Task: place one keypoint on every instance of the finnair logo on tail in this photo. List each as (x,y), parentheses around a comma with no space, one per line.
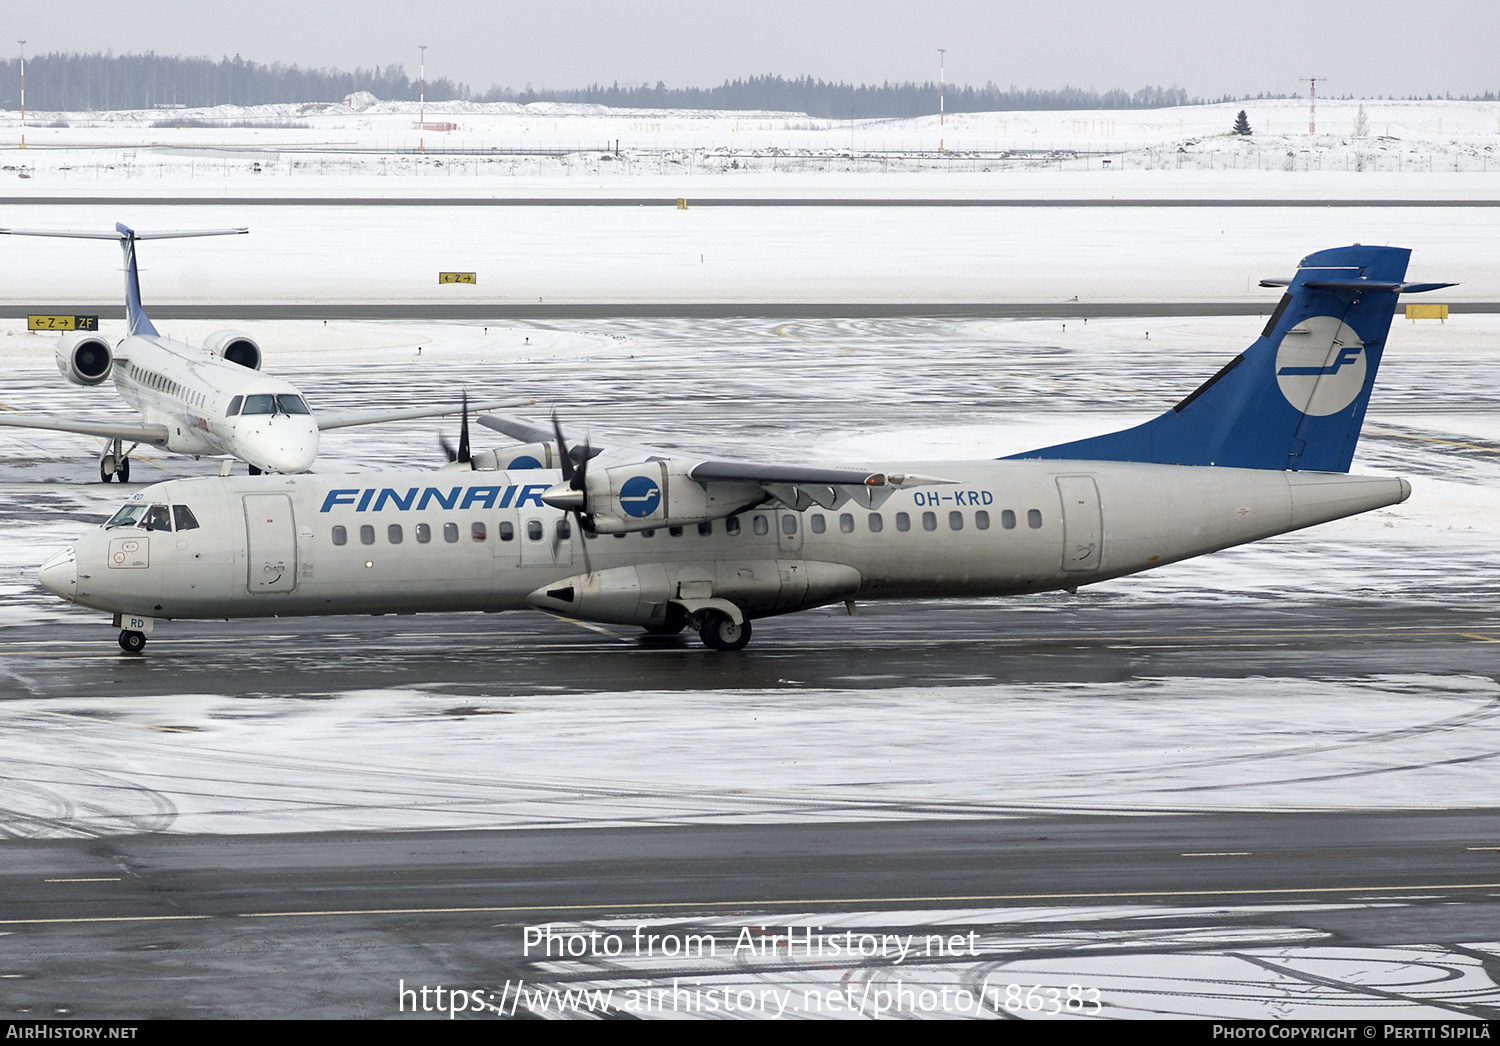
(1321,366)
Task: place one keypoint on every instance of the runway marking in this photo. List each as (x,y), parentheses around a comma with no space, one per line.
(765,903)
(1434,439)
(1482,848)
(1479,637)
(102,879)
(1223,853)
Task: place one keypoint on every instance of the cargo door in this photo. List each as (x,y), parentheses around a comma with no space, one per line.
(1083,523)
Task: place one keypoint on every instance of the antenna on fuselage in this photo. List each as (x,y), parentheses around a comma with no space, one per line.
(136,320)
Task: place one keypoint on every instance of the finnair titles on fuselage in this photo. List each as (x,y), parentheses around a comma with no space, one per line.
(1262,448)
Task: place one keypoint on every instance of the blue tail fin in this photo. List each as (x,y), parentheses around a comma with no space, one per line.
(1296,398)
(136,320)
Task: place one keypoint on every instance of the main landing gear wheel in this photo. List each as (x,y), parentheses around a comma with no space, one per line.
(109,469)
(132,642)
(719,632)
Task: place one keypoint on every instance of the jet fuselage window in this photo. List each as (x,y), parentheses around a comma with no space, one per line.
(1008,519)
(507,531)
(903,522)
(184,518)
(982,520)
(1034,519)
(877,524)
(367,535)
(450,532)
(424,533)
(761,526)
(393,534)
(929,521)
(478,533)
(955,520)
(340,535)
(846,522)
(818,523)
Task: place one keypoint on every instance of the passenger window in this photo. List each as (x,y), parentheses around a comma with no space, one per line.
(1034,519)
(340,536)
(955,521)
(424,533)
(183,517)
(982,520)
(903,522)
(929,521)
(1008,519)
(367,535)
(705,529)
(649,533)
(393,534)
(877,524)
(846,522)
(761,526)
(732,525)
(621,536)
(507,531)
(450,532)
(789,524)
(478,533)
(565,529)
(676,532)
(534,529)
(819,524)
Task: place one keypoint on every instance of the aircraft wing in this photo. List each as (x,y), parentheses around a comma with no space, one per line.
(153,434)
(349,419)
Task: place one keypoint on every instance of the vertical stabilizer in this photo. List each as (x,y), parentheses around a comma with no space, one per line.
(1296,398)
(136,320)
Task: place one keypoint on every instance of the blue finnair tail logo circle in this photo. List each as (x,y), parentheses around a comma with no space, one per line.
(1320,366)
(640,496)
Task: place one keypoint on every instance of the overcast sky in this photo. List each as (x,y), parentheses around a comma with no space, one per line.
(1369,48)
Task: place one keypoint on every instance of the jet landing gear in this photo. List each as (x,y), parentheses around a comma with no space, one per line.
(132,642)
(115,462)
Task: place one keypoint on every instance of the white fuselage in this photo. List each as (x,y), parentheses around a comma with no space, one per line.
(190,392)
(445,541)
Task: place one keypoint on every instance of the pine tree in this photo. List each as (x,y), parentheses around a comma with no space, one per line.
(1242,124)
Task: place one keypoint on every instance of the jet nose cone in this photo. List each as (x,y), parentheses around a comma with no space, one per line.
(59,575)
(284,448)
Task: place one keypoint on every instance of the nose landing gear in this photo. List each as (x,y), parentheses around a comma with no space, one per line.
(132,642)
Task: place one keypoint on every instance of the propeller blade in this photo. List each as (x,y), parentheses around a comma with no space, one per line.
(447,447)
(463,434)
(564,458)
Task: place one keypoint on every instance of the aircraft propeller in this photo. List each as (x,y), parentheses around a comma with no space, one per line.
(460,455)
(576,476)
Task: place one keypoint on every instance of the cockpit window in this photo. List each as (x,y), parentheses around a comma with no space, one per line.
(234,406)
(127,516)
(184,518)
(267,403)
(147,517)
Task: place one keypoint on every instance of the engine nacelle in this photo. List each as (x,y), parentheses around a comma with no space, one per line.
(660,494)
(85,359)
(234,346)
(526,456)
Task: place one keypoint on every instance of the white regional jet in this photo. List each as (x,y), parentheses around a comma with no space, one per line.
(207,401)
(1262,448)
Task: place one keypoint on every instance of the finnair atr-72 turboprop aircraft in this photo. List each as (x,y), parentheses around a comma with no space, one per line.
(1261,448)
(208,401)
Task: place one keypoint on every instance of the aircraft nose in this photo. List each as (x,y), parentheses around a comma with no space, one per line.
(59,575)
(284,448)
